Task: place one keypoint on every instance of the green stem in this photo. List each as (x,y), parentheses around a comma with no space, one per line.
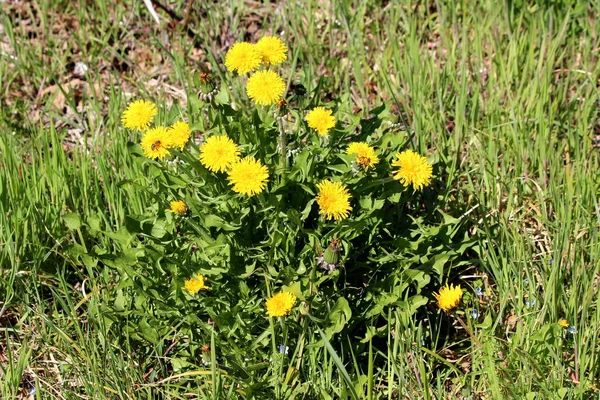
(273,339)
(283,148)
(467,329)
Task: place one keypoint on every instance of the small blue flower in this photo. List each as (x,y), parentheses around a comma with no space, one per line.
(474,313)
(32,391)
(478,291)
(530,303)
(283,349)
(572,330)
(550,261)
(526,280)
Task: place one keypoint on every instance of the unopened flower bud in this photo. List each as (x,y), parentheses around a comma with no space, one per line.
(332,253)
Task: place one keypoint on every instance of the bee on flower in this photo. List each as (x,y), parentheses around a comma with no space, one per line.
(155,143)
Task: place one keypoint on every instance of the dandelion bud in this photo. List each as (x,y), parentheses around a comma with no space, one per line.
(332,253)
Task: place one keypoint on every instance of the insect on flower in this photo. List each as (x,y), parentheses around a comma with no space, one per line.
(155,145)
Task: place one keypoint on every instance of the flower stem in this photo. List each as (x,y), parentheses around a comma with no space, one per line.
(282,147)
(467,329)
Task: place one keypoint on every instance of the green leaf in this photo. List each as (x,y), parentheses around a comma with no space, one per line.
(295,288)
(341,168)
(215,221)
(339,315)
(120,301)
(486,324)
(222,97)
(122,236)
(159,228)
(72,221)
(438,262)
(148,332)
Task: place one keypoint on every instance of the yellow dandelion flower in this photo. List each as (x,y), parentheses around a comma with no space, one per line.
(248,176)
(178,207)
(448,297)
(195,284)
(563,323)
(139,115)
(414,169)
(243,57)
(334,200)
(272,50)
(155,143)
(218,153)
(265,88)
(365,154)
(280,304)
(321,119)
(179,134)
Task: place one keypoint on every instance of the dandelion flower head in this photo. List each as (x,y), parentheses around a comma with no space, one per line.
(321,119)
(155,143)
(334,200)
(280,304)
(265,87)
(563,323)
(448,297)
(195,284)
(365,154)
(178,207)
(179,134)
(272,50)
(243,57)
(248,176)
(139,115)
(218,153)
(413,169)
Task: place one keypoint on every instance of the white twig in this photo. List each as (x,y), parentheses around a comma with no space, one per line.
(152,11)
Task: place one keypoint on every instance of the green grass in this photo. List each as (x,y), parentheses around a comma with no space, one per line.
(504,95)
